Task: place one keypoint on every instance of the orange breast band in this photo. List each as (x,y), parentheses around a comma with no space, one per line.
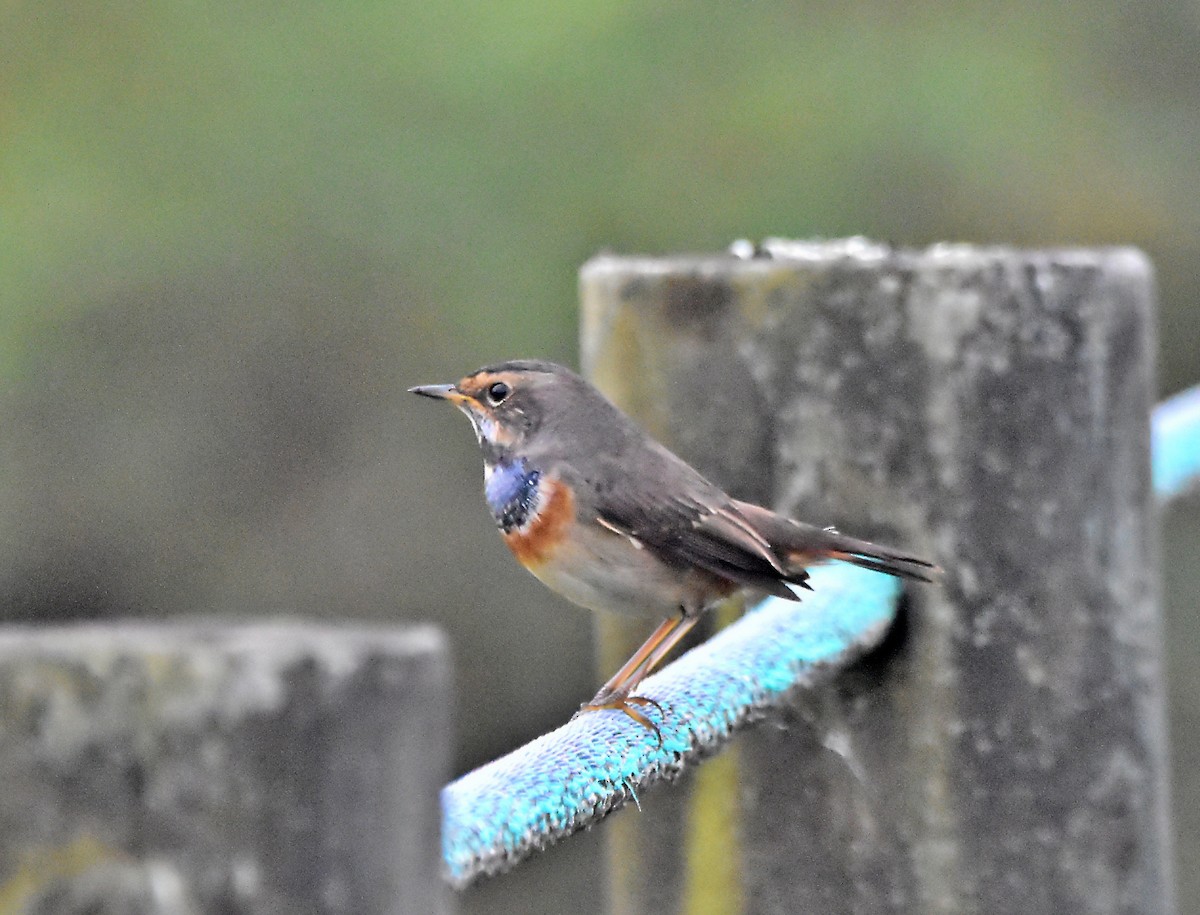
(534,543)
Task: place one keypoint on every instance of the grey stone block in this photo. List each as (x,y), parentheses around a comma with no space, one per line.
(988,408)
(257,769)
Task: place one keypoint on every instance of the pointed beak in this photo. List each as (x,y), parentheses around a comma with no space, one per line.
(443,392)
(439,392)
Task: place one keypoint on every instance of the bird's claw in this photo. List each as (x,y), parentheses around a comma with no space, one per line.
(625,704)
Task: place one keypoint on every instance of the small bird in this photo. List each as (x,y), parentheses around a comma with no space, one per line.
(610,519)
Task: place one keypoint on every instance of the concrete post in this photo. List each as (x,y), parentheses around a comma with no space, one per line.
(249,769)
(988,408)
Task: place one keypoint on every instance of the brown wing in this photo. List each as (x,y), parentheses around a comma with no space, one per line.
(687,521)
(704,540)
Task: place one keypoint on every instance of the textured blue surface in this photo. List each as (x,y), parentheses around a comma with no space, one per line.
(571,777)
(1176,444)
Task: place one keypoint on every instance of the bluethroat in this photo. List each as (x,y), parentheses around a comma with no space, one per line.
(610,519)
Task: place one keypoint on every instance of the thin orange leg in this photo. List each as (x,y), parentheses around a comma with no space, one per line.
(626,675)
(665,648)
(615,693)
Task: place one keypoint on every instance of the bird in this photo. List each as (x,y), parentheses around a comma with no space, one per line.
(614,521)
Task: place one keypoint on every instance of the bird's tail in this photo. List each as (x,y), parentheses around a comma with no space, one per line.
(872,556)
(803,545)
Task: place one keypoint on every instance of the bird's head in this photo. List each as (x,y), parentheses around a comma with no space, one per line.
(506,403)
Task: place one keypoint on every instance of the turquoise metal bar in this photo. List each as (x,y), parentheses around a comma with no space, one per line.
(1175,449)
(573,776)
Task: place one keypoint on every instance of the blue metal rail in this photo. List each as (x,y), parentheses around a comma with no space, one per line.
(1175,444)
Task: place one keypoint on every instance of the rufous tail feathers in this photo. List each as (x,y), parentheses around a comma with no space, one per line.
(803,545)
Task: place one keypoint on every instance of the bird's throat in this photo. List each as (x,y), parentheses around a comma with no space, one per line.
(511,489)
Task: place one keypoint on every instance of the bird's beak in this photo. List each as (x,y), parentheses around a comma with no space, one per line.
(439,392)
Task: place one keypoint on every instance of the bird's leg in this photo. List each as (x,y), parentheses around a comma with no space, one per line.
(628,676)
(615,694)
(665,647)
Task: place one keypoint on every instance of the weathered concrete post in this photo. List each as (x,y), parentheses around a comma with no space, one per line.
(247,769)
(986,407)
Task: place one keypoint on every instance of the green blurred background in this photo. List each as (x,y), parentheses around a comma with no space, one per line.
(232,235)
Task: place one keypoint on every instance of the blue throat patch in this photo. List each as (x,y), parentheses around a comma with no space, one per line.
(511,491)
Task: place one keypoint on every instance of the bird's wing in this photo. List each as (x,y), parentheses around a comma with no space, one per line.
(687,521)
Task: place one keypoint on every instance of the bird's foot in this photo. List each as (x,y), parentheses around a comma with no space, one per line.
(630,705)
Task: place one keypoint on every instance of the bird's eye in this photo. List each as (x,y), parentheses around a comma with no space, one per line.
(498,393)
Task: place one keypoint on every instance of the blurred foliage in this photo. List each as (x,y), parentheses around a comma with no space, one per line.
(232,235)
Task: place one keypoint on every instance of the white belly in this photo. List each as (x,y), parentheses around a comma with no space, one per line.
(601,570)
